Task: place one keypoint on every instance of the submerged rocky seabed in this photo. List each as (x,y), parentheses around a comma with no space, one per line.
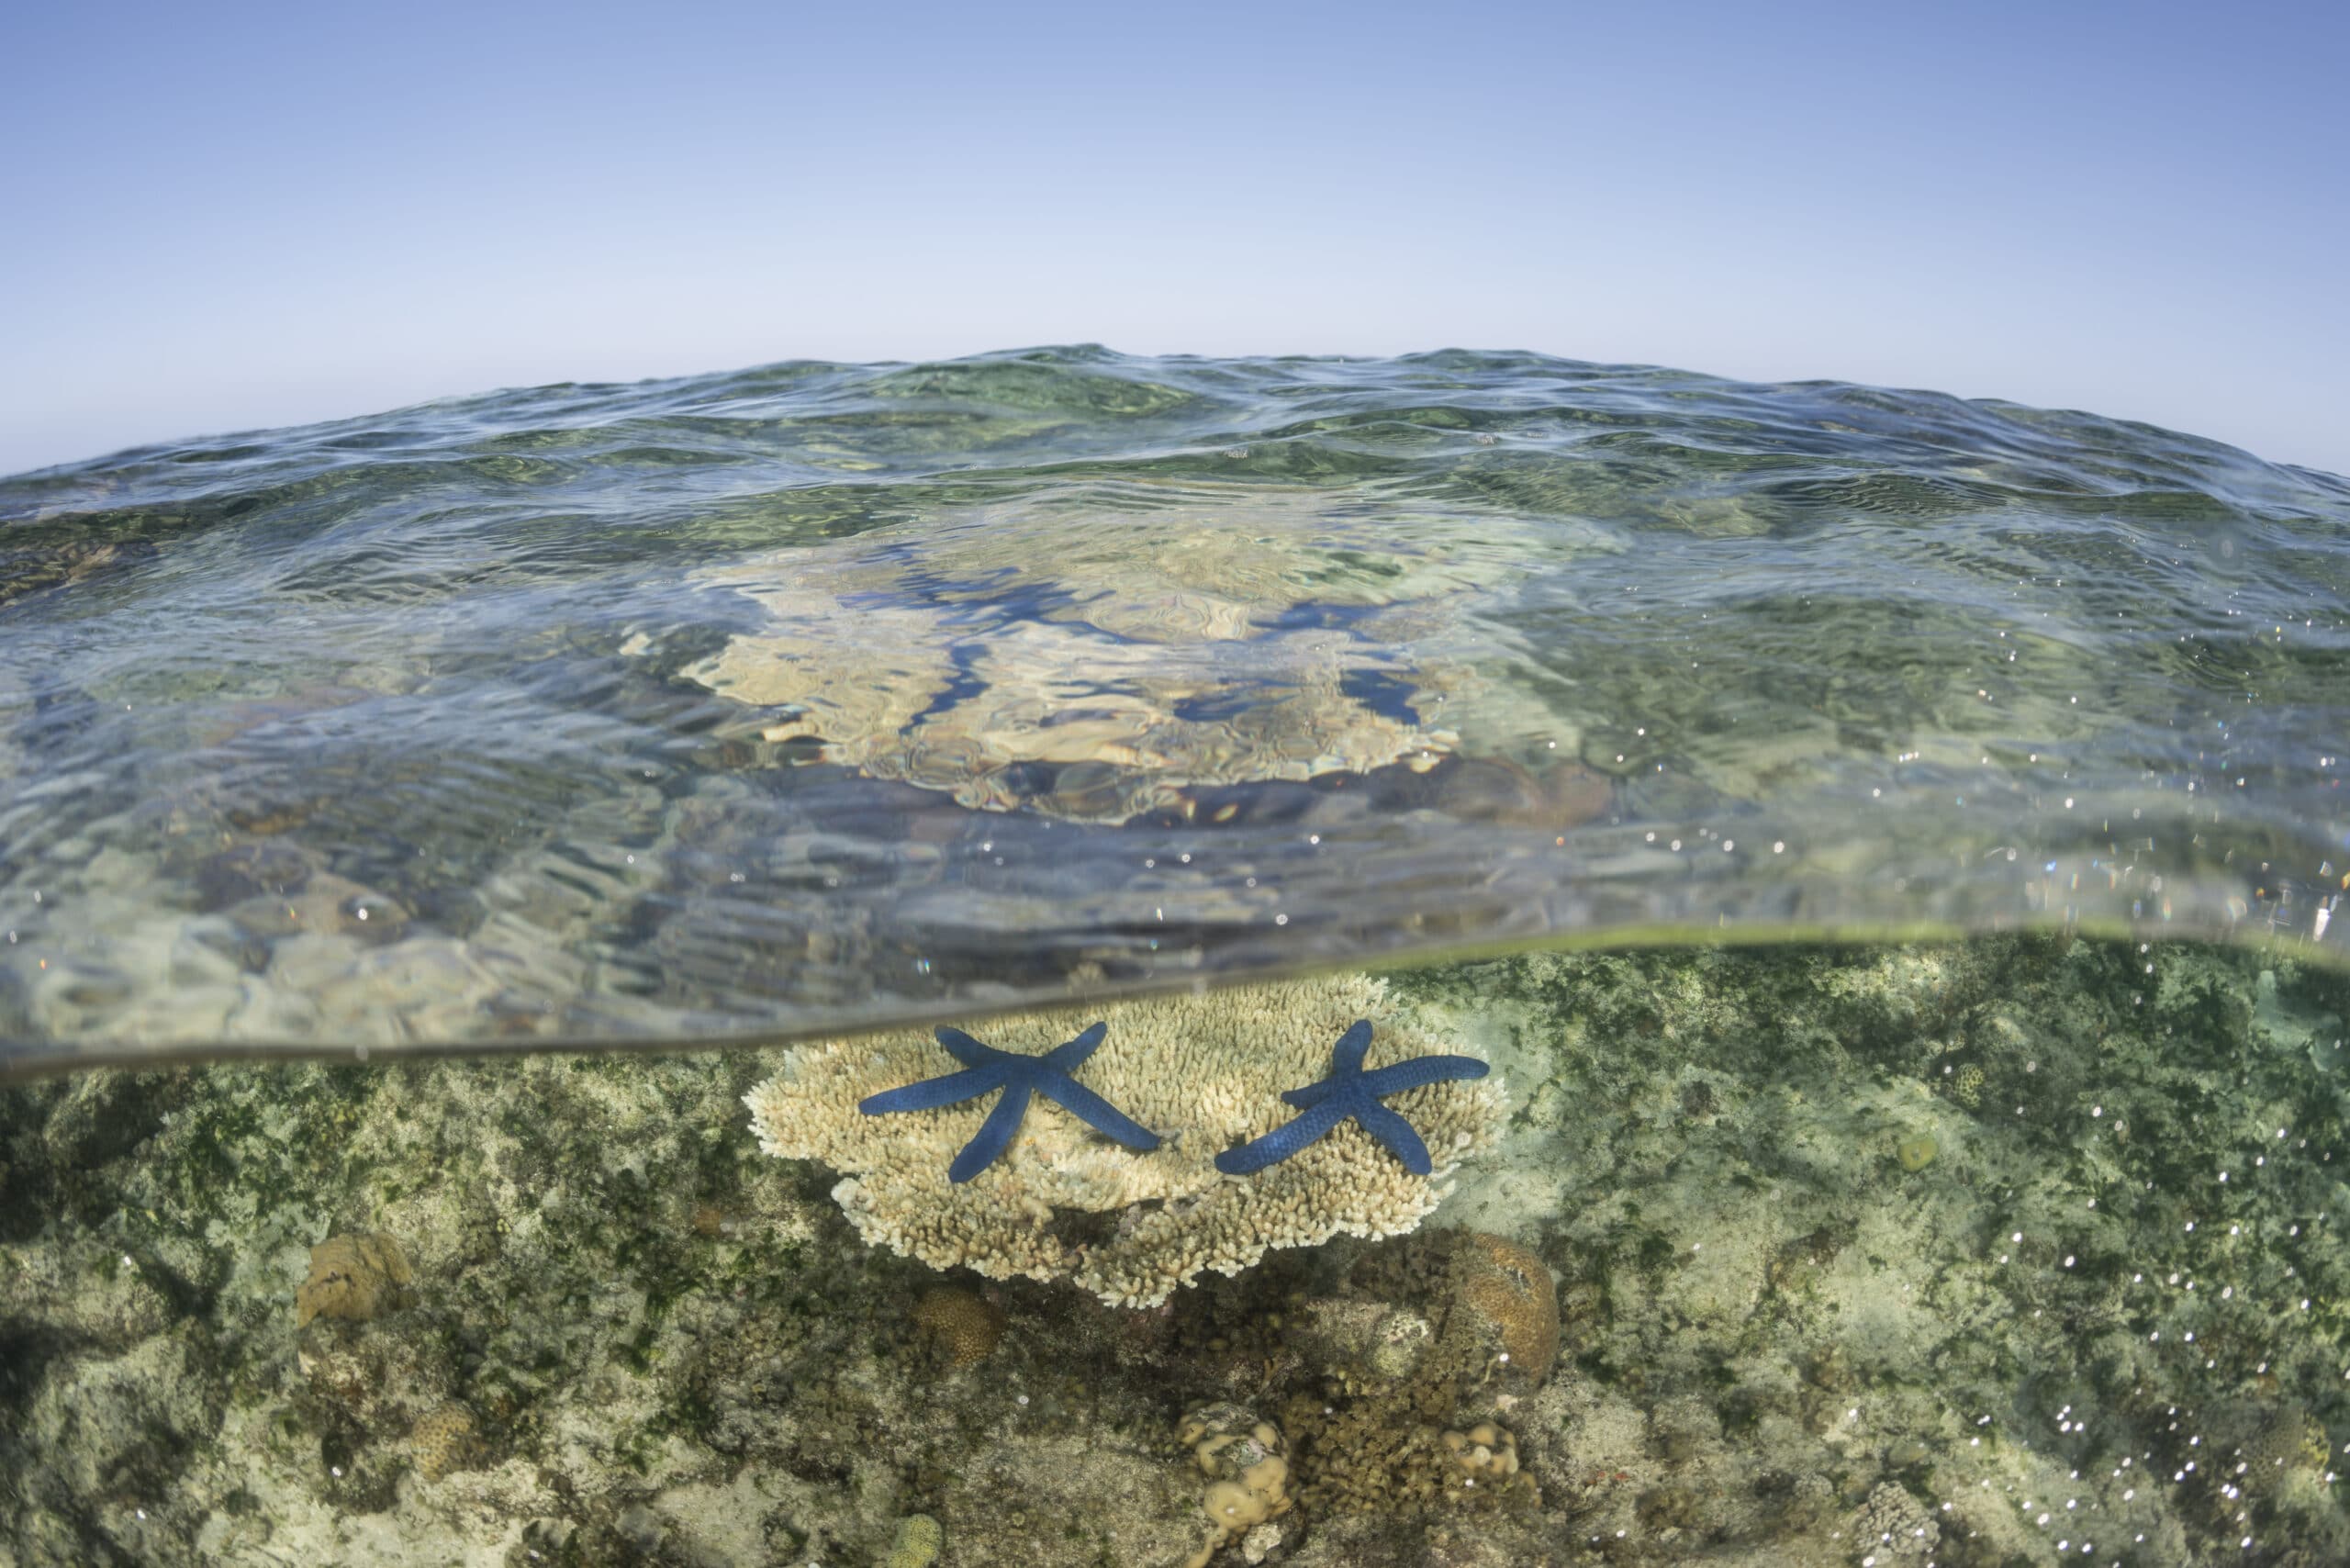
(2014,1252)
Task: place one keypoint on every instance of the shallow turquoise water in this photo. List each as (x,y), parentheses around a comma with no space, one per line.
(818,694)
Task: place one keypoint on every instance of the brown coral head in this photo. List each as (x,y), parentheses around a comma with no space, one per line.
(1510,1292)
(352,1278)
(962,1324)
(443,1439)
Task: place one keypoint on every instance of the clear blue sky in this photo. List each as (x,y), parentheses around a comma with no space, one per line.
(280,213)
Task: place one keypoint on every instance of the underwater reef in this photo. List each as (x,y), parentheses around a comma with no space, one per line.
(2020,1252)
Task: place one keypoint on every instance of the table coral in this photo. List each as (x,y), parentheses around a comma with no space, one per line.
(1205,1071)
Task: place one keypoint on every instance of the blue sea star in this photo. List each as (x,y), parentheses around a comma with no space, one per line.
(1351,1091)
(986,1069)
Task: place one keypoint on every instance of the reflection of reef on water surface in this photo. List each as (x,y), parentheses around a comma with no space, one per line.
(1173,641)
(1978,1255)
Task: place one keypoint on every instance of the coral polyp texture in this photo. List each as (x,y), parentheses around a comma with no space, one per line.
(1204,1072)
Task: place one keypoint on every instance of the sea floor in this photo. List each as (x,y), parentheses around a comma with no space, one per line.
(2020,1252)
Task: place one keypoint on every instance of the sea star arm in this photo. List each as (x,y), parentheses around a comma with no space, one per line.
(932,1092)
(1393,1130)
(1065,1056)
(1284,1140)
(994,1135)
(1397,1077)
(1346,1057)
(965,1050)
(1095,1112)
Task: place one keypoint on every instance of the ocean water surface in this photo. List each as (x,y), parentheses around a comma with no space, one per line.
(1885,849)
(820,695)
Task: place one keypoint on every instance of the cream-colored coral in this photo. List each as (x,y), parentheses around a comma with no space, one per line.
(1484,1451)
(1247,1463)
(1204,1072)
(1158,648)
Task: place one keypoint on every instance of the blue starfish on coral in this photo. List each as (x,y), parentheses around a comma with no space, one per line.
(1351,1091)
(986,1069)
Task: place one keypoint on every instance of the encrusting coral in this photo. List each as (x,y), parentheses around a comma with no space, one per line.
(351,1277)
(1245,1460)
(1407,1370)
(443,1439)
(963,1324)
(1204,1072)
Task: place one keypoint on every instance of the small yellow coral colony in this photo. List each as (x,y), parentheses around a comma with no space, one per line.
(443,1439)
(1204,1072)
(919,1542)
(1247,1463)
(1484,1450)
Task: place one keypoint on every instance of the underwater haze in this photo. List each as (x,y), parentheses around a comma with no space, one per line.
(822,695)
